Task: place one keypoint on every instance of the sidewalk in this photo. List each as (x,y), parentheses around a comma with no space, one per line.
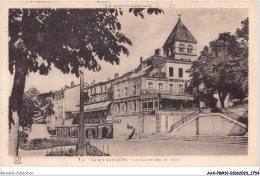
(238,140)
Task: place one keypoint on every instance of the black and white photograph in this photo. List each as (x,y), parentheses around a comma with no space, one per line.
(121,80)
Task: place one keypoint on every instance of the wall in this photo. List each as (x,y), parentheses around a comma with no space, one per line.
(130,88)
(211,126)
(173,117)
(176,48)
(214,125)
(95,94)
(188,130)
(149,125)
(166,85)
(176,67)
(120,130)
(72,97)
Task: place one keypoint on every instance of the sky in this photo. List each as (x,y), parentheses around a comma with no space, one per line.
(147,35)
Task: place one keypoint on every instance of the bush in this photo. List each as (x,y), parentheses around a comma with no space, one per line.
(216,110)
(210,100)
(237,102)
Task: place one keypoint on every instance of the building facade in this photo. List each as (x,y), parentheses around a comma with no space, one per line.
(145,101)
(152,98)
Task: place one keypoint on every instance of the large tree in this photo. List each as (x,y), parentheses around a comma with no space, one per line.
(34,105)
(64,38)
(223,66)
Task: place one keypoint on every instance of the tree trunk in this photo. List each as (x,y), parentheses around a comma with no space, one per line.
(222,96)
(15,104)
(222,103)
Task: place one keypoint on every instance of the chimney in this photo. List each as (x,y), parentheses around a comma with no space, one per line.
(93,82)
(72,84)
(108,79)
(116,75)
(141,61)
(157,52)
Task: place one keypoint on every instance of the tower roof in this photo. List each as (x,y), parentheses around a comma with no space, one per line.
(180,33)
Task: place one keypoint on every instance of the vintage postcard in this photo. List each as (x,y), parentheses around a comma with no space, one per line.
(129,84)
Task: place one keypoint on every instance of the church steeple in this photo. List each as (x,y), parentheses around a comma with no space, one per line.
(180,37)
(180,33)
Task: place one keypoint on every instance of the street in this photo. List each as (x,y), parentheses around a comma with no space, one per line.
(153,148)
(166,147)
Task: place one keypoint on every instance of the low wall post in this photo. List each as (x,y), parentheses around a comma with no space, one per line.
(197,126)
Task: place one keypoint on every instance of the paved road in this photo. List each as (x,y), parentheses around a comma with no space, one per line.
(148,148)
(166,147)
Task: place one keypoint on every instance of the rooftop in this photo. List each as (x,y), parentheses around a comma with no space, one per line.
(180,33)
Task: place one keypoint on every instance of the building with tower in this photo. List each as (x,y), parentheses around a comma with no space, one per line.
(148,100)
(153,97)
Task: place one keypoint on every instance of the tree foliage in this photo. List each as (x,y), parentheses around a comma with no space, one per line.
(34,105)
(28,109)
(67,38)
(223,66)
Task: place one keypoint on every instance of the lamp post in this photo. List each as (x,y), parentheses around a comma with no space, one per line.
(81,145)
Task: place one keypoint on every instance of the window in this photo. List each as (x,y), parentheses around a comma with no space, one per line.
(117,108)
(105,87)
(156,103)
(167,52)
(171,88)
(189,49)
(160,85)
(171,49)
(126,91)
(180,88)
(118,93)
(100,89)
(134,89)
(150,85)
(148,104)
(144,107)
(180,72)
(125,106)
(171,71)
(181,48)
(94,90)
(134,105)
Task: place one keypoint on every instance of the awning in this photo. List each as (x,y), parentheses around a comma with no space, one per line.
(105,104)
(97,106)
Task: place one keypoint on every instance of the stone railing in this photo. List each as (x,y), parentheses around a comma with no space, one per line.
(185,119)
